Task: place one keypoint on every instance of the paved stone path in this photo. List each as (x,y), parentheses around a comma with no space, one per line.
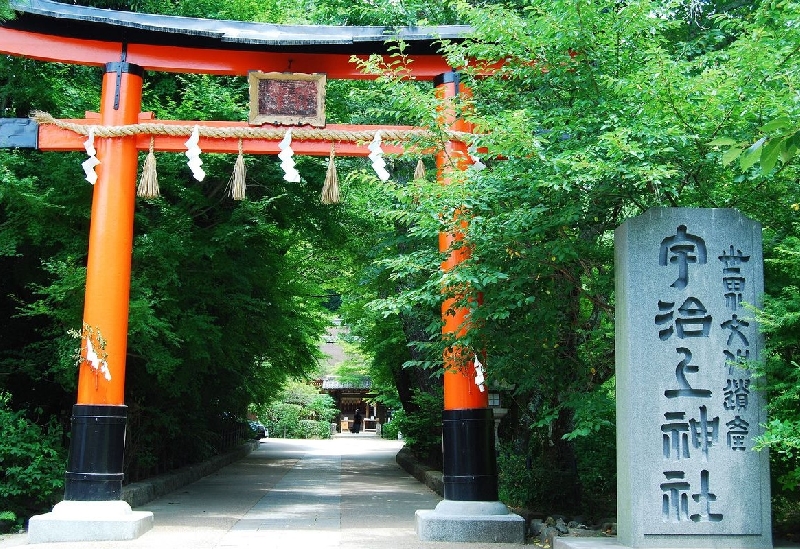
(343,493)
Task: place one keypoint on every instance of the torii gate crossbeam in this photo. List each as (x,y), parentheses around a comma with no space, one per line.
(54,138)
(190,60)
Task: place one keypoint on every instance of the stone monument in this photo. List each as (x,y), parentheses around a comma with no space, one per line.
(688,408)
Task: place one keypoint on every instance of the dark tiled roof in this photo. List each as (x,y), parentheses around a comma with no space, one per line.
(65,19)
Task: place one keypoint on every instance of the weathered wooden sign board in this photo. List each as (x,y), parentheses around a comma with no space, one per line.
(287,99)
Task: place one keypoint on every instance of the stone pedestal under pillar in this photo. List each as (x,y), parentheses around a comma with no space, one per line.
(89,521)
(470,521)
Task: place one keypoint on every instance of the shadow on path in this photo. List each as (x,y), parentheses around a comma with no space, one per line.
(345,493)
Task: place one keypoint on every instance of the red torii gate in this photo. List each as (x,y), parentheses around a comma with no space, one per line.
(94,472)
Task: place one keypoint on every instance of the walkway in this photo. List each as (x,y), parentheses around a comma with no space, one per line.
(343,493)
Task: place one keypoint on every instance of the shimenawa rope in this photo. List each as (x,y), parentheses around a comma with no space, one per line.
(235,132)
(148,185)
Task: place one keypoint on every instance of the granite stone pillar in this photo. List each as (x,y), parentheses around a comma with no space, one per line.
(688,407)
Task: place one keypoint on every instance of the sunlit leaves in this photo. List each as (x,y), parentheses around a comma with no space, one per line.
(781,143)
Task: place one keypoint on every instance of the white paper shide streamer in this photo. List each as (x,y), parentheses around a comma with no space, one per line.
(479,379)
(97,364)
(90,163)
(290,174)
(193,154)
(477,165)
(376,156)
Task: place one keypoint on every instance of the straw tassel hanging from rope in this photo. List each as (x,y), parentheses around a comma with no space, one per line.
(330,190)
(148,184)
(237,184)
(419,171)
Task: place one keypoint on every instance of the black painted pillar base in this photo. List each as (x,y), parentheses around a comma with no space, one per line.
(470,463)
(96,453)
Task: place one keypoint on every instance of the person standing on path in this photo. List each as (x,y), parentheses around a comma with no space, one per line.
(357,421)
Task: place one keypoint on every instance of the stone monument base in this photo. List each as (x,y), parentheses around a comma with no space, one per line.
(586,543)
(612,543)
(89,521)
(470,521)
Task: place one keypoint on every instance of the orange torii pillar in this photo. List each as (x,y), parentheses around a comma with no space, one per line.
(470,511)
(93,508)
(470,470)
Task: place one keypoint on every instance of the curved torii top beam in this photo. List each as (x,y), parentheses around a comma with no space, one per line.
(52,31)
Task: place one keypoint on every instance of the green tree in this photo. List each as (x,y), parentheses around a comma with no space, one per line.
(32,464)
(5,10)
(299,411)
(780,321)
(222,307)
(597,113)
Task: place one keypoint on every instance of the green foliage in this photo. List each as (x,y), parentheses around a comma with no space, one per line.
(593,412)
(298,412)
(395,255)
(770,116)
(9,522)
(391,429)
(524,482)
(598,113)
(596,469)
(221,312)
(311,428)
(781,143)
(332,12)
(240,10)
(786,517)
(6,13)
(530,477)
(32,462)
(780,322)
(365,12)
(282,419)
(422,428)
(315,405)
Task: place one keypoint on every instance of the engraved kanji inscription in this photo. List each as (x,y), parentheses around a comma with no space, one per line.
(735,325)
(675,436)
(705,497)
(736,394)
(733,258)
(684,367)
(689,282)
(734,286)
(732,280)
(666,315)
(736,361)
(738,429)
(682,249)
(705,432)
(675,499)
(693,319)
